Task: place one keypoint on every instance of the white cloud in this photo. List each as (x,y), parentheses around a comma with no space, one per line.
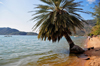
(90,1)
(1,3)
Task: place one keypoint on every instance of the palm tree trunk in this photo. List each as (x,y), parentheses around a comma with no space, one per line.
(73,48)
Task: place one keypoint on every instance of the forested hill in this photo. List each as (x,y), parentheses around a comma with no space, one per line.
(10,31)
(87,28)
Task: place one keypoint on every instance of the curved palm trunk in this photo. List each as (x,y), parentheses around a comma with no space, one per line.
(73,48)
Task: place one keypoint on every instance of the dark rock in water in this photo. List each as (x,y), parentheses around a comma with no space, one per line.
(82,56)
(76,49)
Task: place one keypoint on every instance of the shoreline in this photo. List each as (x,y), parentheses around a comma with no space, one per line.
(77,60)
(93,54)
(80,61)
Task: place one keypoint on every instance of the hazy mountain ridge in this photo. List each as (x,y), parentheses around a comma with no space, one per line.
(87,28)
(10,31)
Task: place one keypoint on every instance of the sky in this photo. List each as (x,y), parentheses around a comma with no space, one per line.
(15,13)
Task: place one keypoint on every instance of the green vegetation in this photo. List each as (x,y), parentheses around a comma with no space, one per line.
(96,29)
(9,31)
(58,18)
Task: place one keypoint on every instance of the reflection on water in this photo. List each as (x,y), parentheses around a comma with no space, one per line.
(29,51)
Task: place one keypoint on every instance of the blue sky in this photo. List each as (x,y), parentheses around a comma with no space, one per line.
(14,13)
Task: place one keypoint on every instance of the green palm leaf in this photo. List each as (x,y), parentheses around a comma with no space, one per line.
(56,18)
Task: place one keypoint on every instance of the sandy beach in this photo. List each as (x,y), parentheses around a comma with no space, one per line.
(94,52)
(91,56)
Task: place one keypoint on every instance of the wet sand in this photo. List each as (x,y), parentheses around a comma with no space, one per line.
(74,61)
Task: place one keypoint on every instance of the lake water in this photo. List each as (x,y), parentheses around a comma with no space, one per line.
(21,50)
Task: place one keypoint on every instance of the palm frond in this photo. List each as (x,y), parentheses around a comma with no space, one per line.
(42,20)
(49,2)
(41,12)
(45,7)
(56,18)
(66,3)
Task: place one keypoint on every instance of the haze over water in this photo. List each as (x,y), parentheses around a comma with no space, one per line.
(29,51)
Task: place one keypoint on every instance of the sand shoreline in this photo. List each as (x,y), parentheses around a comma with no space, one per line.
(93,54)
(77,60)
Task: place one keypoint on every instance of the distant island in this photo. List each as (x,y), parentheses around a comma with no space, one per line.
(10,31)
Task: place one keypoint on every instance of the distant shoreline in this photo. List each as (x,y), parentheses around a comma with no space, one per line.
(10,31)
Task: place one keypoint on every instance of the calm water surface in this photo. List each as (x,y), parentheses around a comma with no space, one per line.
(29,51)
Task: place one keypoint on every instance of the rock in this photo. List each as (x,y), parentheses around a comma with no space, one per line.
(76,49)
(90,48)
(87,59)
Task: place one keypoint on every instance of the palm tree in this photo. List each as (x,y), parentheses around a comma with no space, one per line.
(96,13)
(58,18)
